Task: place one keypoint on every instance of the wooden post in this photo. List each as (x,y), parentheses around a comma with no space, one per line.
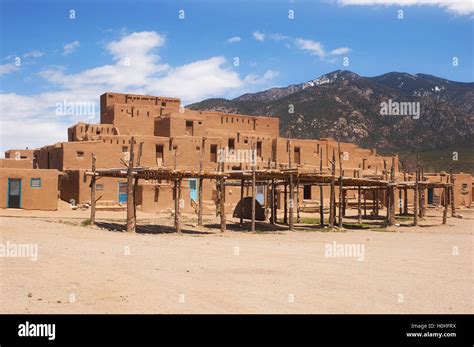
(275,210)
(451,193)
(272,203)
(292,196)
(341,192)
(321,193)
(298,200)
(285,202)
(359,210)
(405,201)
(200,183)
(400,205)
(422,202)
(131,221)
(415,200)
(376,201)
(253,198)
(93,200)
(391,195)
(222,205)
(365,204)
(241,222)
(177,208)
(445,209)
(332,198)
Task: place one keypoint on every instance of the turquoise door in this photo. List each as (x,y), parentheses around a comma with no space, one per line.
(193,189)
(122,192)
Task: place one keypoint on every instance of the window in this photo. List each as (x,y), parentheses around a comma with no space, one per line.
(35,183)
(163,104)
(231,144)
(189,128)
(213,153)
(124,149)
(159,155)
(259,148)
(80,154)
(99,187)
(297,155)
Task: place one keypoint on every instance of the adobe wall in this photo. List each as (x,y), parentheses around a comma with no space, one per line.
(44,197)
(19,153)
(16,163)
(237,122)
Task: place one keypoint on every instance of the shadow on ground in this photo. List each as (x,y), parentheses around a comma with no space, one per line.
(150,228)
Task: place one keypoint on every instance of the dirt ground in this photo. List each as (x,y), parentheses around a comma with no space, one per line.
(83,269)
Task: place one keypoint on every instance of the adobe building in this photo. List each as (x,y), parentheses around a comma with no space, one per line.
(168,135)
(30,189)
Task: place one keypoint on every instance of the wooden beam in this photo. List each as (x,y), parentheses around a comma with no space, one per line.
(365,204)
(93,200)
(131,221)
(391,195)
(285,204)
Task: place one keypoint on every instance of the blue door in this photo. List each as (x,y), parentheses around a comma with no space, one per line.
(14,193)
(122,192)
(193,189)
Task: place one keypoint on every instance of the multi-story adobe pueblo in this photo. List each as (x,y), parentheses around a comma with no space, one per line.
(171,136)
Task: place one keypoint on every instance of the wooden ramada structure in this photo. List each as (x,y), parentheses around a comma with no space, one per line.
(272,178)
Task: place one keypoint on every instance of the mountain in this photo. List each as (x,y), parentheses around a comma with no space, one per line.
(346,106)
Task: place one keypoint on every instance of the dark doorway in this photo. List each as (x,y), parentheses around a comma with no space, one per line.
(231,144)
(430,196)
(307,193)
(14,193)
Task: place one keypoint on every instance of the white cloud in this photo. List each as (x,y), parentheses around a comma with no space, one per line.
(70,47)
(234,39)
(7,68)
(313,47)
(278,37)
(459,7)
(267,77)
(135,68)
(33,54)
(258,36)
(340,51)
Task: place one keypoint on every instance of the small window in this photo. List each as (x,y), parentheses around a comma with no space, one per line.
(35,183)
(80,154)
(99,187)
(124,149)
(163,104)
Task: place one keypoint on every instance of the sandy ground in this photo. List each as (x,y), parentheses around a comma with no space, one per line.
(81,269)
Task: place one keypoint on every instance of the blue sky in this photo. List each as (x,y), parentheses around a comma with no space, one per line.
(143,46)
